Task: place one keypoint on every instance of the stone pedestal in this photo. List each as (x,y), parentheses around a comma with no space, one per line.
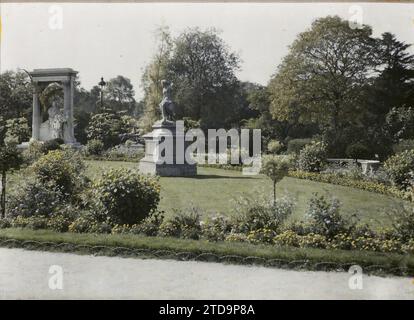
(172,138)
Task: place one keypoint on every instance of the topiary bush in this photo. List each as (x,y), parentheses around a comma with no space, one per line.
(125,196)
(400,168)
(312,157)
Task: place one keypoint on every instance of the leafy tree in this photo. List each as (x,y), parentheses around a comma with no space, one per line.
(15,94)
(119,95)
(202,70)
(323,76)
(151,79)
(18,128)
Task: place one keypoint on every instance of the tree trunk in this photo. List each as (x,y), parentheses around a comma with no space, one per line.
(3,194)
(274,192)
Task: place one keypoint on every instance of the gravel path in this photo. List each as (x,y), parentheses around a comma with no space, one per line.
(35,275)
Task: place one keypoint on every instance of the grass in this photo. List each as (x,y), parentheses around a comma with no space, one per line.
(243,250)
(213,190)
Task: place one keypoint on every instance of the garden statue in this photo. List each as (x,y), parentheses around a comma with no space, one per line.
(56,121)
(167,105)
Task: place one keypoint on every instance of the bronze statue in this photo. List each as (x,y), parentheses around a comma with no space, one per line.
(167,105)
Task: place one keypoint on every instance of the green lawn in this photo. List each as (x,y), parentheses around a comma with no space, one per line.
(214,189)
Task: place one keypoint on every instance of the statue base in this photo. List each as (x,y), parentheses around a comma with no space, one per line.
(150,165)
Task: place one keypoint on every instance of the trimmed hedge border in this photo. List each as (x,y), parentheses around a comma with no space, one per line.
(333,179)
(357,184)
(298,261)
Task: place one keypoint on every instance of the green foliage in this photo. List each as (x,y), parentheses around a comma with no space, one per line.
(50,145)
(349,182)
(184,224)
(64,168)
(357,151)
(324,216)
(296,145)
(94,147)
(275,167)
(274,146)
(33,197)
(216,228)
(312,157)
(18,128)
(402,220)
(403,145)
(15,94)
(259,213)
(400,168)
(151,224)
(105,127)
(125,196)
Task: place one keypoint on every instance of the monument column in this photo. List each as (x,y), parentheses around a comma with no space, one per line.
(69,135)
(36,117)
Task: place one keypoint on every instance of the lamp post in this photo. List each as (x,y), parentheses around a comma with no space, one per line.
(102,84)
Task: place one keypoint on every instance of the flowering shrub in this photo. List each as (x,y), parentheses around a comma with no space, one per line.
(94,147)
(400,168)
(287,238)
(150,225)
(124,196)
(402,221)
(261,236)
(82,224)
(312,157)
(35,198)
(216,228)
(185,225)
(63,168)
(259,213)
(313,240)
(34,222)
(324,216)
(236,237)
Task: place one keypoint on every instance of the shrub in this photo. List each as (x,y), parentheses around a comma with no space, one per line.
(105,127)
(400,168)
(261,236)
(35,198)
(216,228)
(151,224)
(18,128)
(313,240)
(83,224)
(287,238)
(324,216)
(95,147)
(5,223)
(274,146)
(51,145)
(296,145)
(403,145)
(258,213)
(185,225)
(63,168)
(33,152)
(59,223)
(125,196)
(402,221)
(236,237)
(357,151)
(312,157)
(34,222)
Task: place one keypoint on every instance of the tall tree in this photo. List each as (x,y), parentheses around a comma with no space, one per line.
(203,71)
(15,94)
(323,76)
(119,95)
(152,76)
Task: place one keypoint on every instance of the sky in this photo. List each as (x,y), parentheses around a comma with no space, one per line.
(118,39)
